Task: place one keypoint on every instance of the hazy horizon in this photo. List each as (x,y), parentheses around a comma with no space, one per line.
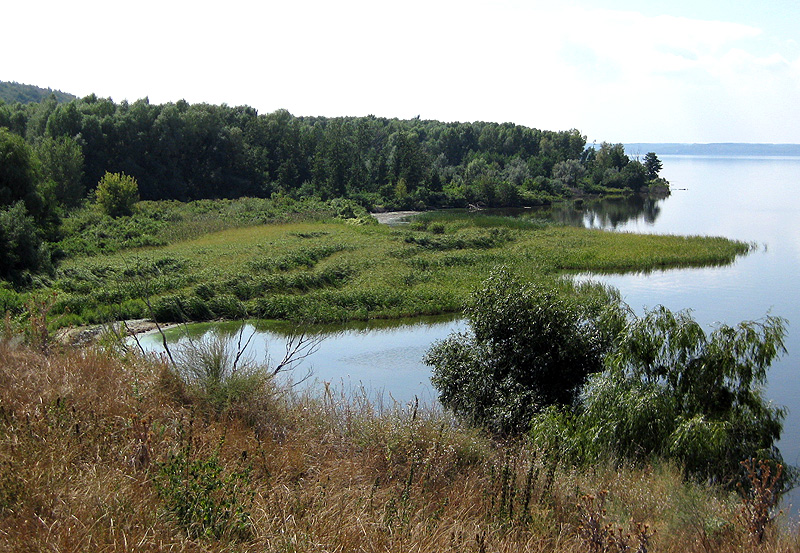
(665,72)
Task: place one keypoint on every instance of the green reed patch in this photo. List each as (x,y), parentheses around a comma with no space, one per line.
(473,239)
(330,271)
(304,257)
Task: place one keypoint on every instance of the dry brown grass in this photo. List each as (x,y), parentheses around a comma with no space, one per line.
(83,435)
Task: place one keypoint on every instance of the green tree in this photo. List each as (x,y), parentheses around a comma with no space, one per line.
(117,194)
(529,346)
(634,175)
(569,172)
(18,177)
(653,165)
(611,156)
(21,245)
(62,164)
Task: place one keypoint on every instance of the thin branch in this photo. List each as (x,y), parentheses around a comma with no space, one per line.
(298,347)
(134,335)
(239,348)
(145,296)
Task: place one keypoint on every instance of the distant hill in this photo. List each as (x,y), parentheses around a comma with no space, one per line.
(714,149)
(12,92)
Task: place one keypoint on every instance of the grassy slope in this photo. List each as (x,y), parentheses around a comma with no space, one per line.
(83,437)
(335,271)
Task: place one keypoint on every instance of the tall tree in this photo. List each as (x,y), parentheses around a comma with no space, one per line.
(18,179)
(62,165)
(653,165)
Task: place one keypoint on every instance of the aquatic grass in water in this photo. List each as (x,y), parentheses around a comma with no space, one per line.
(329,272)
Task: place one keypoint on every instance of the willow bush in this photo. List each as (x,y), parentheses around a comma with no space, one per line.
(585,376)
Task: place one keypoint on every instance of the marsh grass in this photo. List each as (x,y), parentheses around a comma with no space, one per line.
(104,452)
(219,374)
(332,272)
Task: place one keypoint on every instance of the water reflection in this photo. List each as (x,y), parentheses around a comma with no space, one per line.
(603,214)
(606,214)
(380,357)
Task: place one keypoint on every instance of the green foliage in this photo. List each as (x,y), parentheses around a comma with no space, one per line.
(90,232)
(62,164)
(652,165)
(189,152)
(634,175)
(592,380)
(10,301)
(529,346)
(204,498)
(24,252)
(117,194)
(672,391)
(18,179)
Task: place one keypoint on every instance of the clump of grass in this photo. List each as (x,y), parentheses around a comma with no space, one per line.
(304,257)
(219,375)
(463,240)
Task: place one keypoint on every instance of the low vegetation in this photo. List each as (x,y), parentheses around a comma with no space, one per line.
(319,262)
(104,451)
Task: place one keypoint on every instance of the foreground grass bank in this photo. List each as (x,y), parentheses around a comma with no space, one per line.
(331,271)
(108,453)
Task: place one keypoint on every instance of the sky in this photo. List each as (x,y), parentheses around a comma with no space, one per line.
(618,70)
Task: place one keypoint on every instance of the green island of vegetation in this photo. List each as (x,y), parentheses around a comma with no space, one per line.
(570,423)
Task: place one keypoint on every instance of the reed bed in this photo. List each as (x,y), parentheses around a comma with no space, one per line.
(332,272)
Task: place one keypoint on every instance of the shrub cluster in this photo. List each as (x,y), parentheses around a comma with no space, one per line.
(592,380)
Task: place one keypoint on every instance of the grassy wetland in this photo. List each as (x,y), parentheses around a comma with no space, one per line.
(215,260)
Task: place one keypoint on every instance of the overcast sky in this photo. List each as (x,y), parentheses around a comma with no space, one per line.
(617,70)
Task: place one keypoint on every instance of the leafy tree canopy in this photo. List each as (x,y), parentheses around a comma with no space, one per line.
(653,165)
(528,346)
(17,173)
(117,194)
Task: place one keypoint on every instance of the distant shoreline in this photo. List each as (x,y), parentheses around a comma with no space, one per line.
(713,149)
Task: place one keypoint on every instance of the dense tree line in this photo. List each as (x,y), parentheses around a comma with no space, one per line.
(191,151)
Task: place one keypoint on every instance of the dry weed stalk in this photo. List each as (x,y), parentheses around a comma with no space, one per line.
(762,497)
(601,536)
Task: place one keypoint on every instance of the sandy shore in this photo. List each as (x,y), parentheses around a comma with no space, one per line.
(84,335)
(393,217)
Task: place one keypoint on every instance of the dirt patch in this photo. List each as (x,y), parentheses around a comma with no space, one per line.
(392,218)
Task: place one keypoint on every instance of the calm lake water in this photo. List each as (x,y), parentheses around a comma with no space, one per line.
(751,199)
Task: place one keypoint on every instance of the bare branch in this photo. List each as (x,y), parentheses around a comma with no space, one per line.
(298,347)
(239,348)
(133,334)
